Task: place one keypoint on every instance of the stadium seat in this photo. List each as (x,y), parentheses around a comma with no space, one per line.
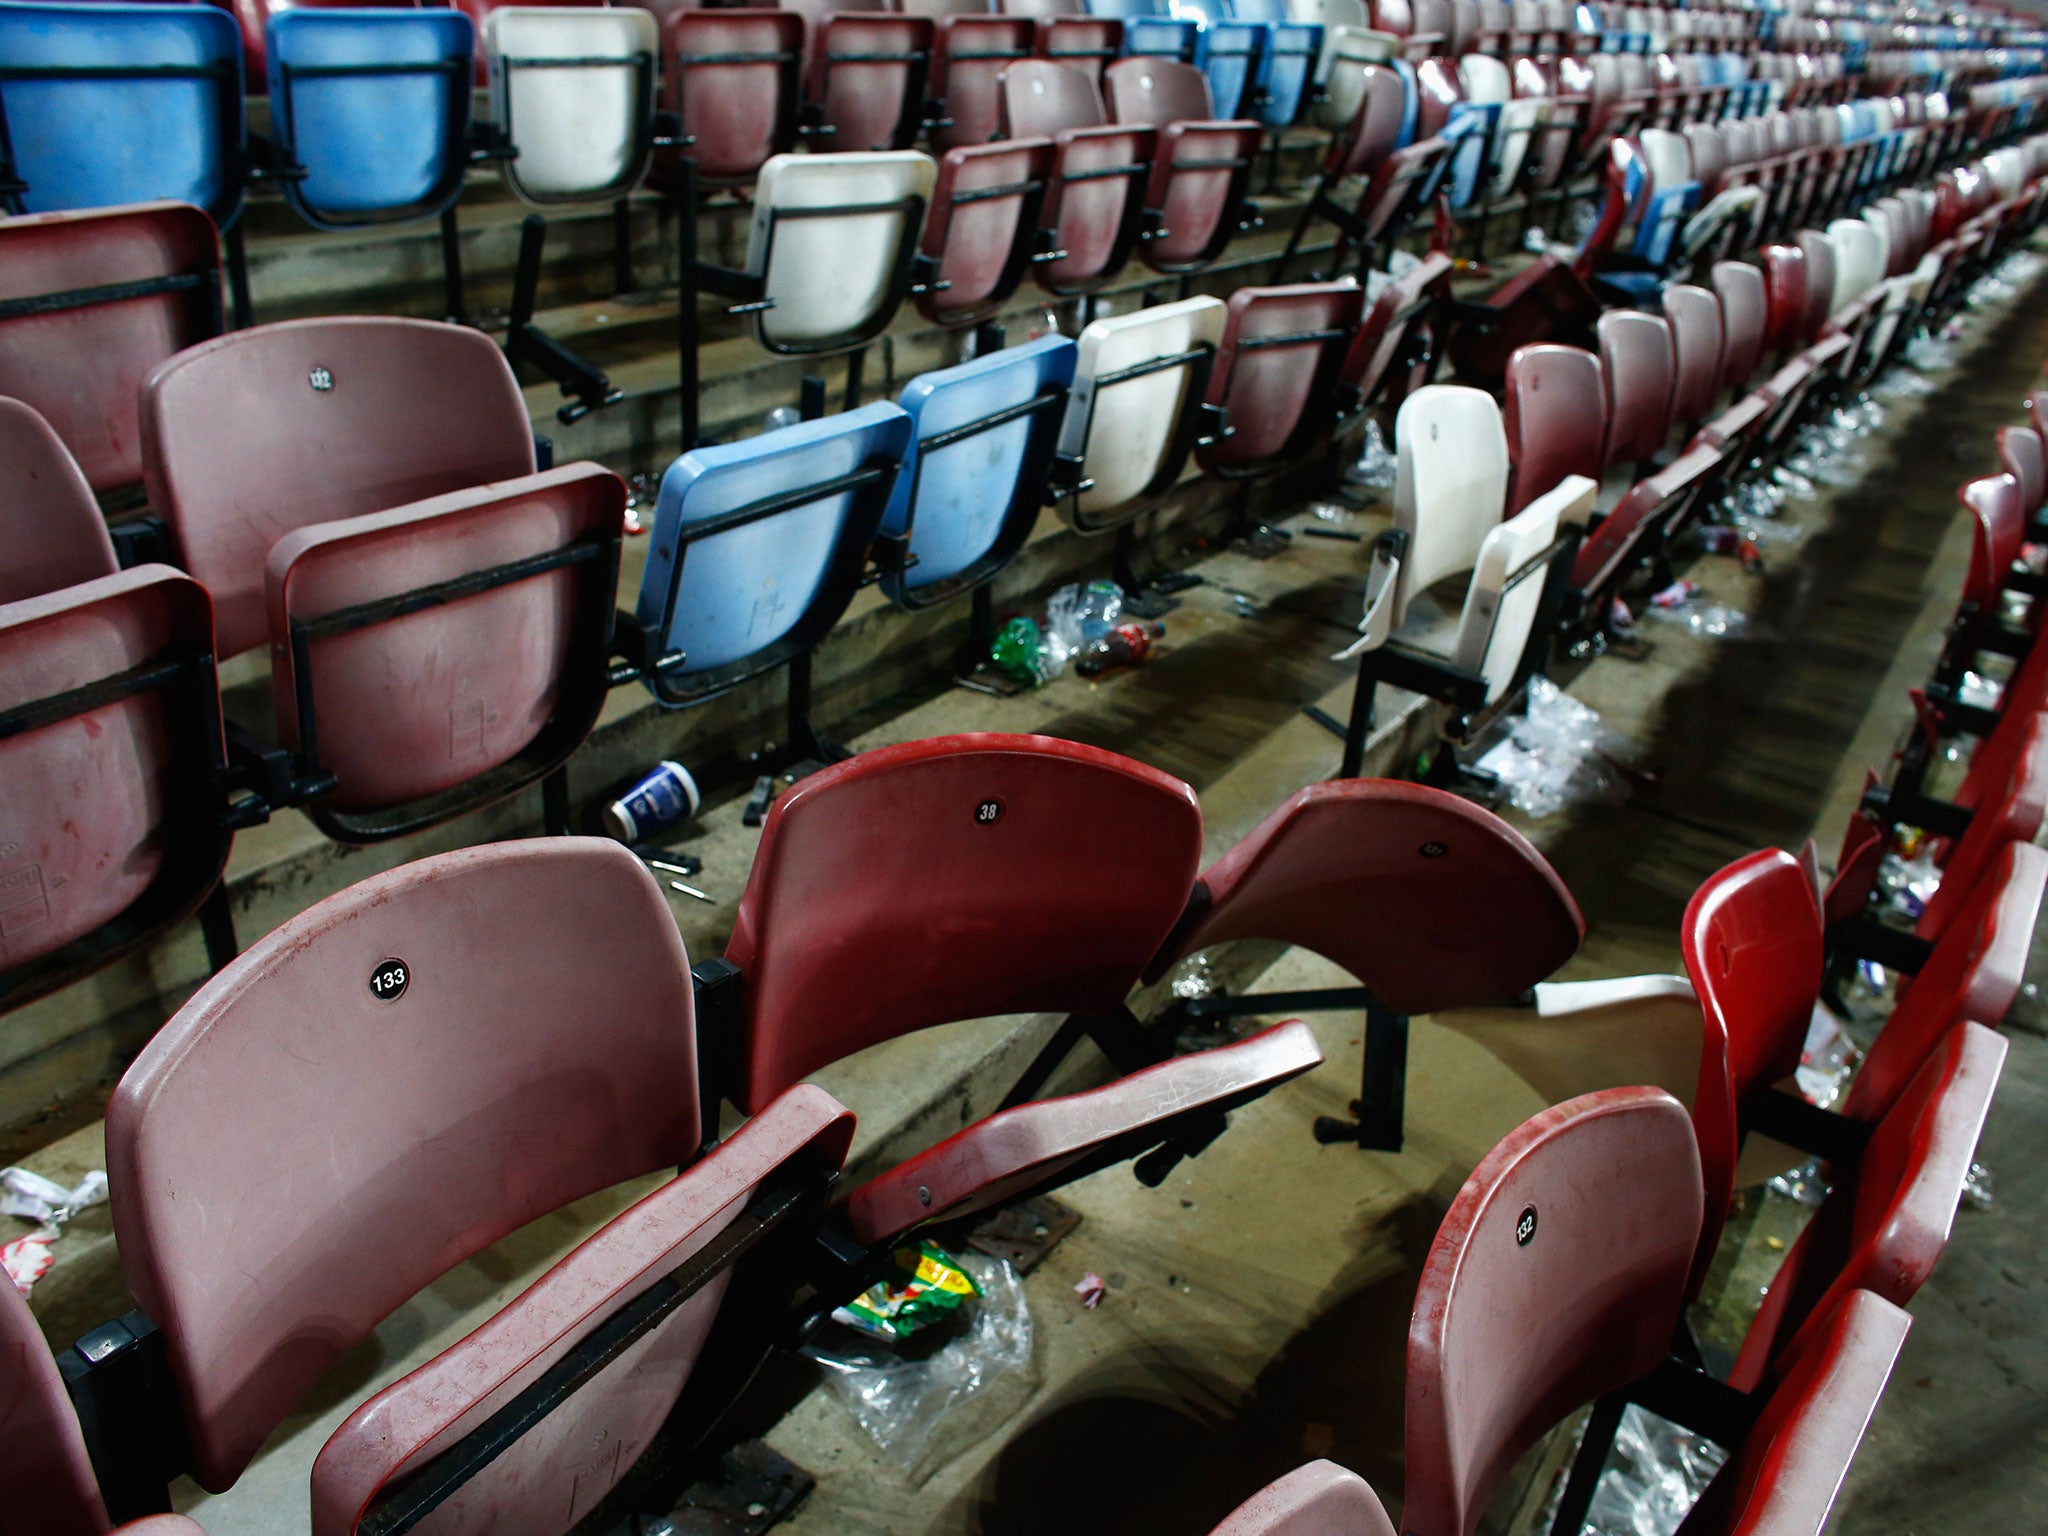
(1741,290)
(1555,418)
(1694,315)
(970,50)
(43,1458)
(865,73)
(336,485)
(734,82)
(1201,171)
(984,229)
(1094,209)
(1286,63)
(572,95)
(1638,366)
(1277,374)
(1319,1499)
(1068,34)
(49,523)
(1231,54)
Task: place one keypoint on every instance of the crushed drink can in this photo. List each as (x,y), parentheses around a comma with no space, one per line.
(665,796)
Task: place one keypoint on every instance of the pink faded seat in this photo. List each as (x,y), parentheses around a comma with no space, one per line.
(1095,201)
(1557,1276)
(1998,511)
(1790,1466)
(410,1069)
(111,754)
(1320,1499)
(1694,315)
(983,227)
(1744,324)
(1428,900)
(105,295)
(50,525)
(43,1463)
(1555,418)
(1203,166)
(2021,453)
(572,1460)
(733,78)
(1277,371)
(865,71)
(970,51)
(1886,1219)
(1639,366)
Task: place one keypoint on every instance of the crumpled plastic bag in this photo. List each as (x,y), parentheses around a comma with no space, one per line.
(1654,1476)
(49,1204)
(1076,616)
(1557,755)
(1375,466)
(925,1407)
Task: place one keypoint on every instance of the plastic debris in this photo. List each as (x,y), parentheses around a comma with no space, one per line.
(1557,755)
(1977,1187)
(1907,882)
(1826,1060)
(1091,1290)
(928,1286)
(1019,653)
(1677,595)
(1655,1474)
(950,1386)
(50,1205)
(1192,978)
(1716,620)
(1374,468)
(1076,616)
(1128,645)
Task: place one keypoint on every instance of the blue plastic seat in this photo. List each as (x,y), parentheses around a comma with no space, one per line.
(1231,53)
(776,530)
(973,480)
(372,106)
(102,105)
(1151,28)
(1287,62)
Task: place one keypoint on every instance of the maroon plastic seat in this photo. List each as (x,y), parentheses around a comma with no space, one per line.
(1651,510)
(1367,872)
(1395,348)
(79,356)
(1784,297)
(1202,167)
(1067,34)
(1095,201)
(1819,252)
(734,81)
(583,1450)
(1973,973)
(1785,1475)
(1557,1276)
(1886,1219)
(865,72)
(1555,418)
(1319,1499)
(1277,372)
(112,754)
(983,227)
(384,1086)
(1694,315)
(49,1478)
(1638,366)
(313,470)
(2005,812)
(970,51)
(50,525)
(2023,456)
(974,848)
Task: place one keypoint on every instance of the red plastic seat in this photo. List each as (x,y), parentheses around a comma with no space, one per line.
(1557,1275)
(1784,297)
(117,833)
(1646,516)
(2008,812)
(1744,324)
(1095,200)
(1790,1466)
(1395,348)
(115,291)
(1427,899)
(970,51)
(1973,973)
(1694,315)
(1638,366)
(1819,252)
(2024,457)
(864,72)
(1884,1223)
(586,1446)
(983,227)
(1202,168)
(50,525)
(50,1485)
(1277,371)
(1067,34)
(733,80)
(409,1070)
(1319,1499)
(1555,418)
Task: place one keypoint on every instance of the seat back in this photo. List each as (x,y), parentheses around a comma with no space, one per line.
(832,239)
(1821,264)
(1371,130)
(970,50)
(759,545)
(1138,379)
(1154,92)
(1859,261)
(50,525)
(1638,367)
(1198,183)
(1039,98)
(373,106)
(1744,320)
(1998,510)
(587,1445)
(1395,346)
(1450,483)
(1509,578)
(1752,942)
(162,82)
(2023,455)
(110,822)
(1784,297)
(973,478)
(2009,812)
(261,432)
(983,227)
(1973,973)
(1557,1275)
(1277,370)
(89,303)
(572,90)
(1095,205)
(51,1487)
(412,1068)
(865,71)
(734,80)
(1319,1499)
(961,878)
(1694,315)
(1369,873)
(1556,418)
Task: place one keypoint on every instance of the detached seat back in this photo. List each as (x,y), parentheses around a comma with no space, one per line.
(116,104)
(572,94)
(90,302)
(1202,169)
(360,495)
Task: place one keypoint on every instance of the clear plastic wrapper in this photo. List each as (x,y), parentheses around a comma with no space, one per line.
(1978,691)
(1906,884)
(1655,1474)
(1977,1187)
(1805,1184)
(1078,615)
(1556,756)
(1192,978)
(1375,465)
(1826,1060)
(31,1197)
(1715,620)
(925,1403)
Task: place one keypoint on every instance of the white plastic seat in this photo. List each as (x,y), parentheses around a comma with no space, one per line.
(1129,434)
(829,275)
(572,91)
(1339,70)
(1500,612)
(1488,80)
(1860,252)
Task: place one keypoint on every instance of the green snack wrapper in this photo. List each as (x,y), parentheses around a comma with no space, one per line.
(1018,652)
(929,1285)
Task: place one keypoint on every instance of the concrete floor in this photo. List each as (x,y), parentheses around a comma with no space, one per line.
(1257,1303)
